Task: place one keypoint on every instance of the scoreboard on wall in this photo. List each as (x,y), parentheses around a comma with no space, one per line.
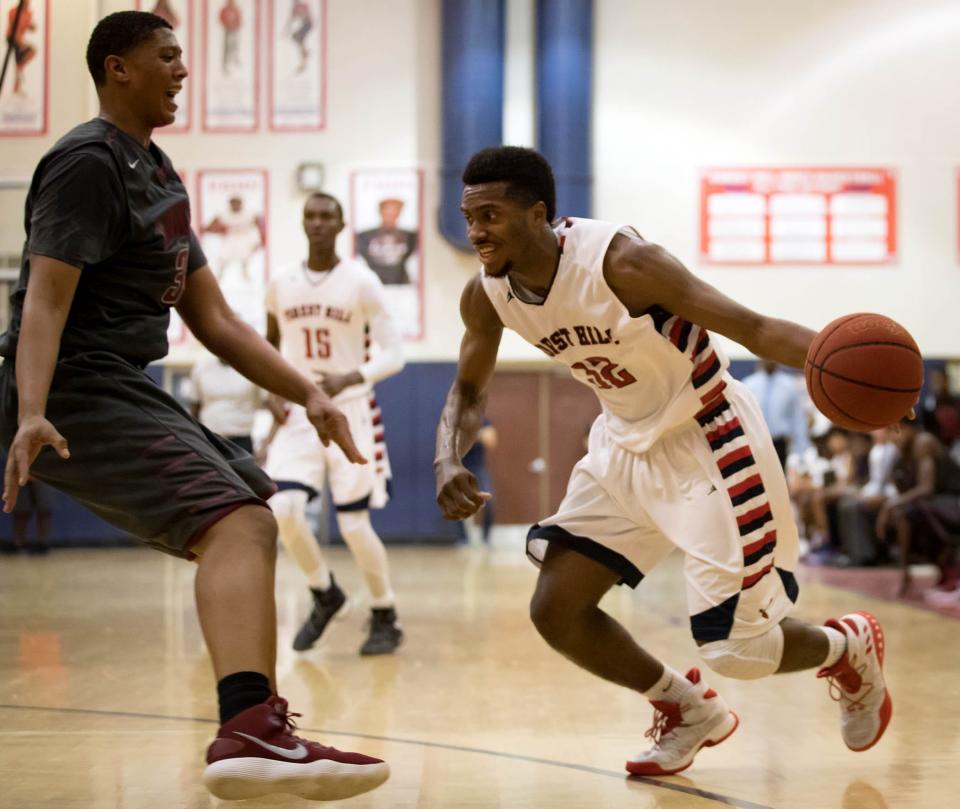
(770,216)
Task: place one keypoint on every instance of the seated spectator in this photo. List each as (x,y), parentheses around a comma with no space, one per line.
(927,500)
(857,511)
(940,410)
(817,478)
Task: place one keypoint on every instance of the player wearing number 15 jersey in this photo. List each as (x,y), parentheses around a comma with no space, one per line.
(328,318)
(679,458)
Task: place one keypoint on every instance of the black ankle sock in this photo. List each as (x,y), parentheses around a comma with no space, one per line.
(240,691)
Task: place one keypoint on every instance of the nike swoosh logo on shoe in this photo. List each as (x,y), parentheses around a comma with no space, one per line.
(294,753)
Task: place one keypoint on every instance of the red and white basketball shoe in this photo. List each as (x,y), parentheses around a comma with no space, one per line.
(680,729)
(856,681)
(256,754)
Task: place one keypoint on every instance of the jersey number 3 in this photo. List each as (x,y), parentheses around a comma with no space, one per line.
(317,343)
(171,296)
(603,373)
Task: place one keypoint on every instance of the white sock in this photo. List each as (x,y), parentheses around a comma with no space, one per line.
(370,555)
(838,645)
(290,510)
(671,686)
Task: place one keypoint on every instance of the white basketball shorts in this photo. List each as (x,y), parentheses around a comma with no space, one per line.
(297,458)
(713,488)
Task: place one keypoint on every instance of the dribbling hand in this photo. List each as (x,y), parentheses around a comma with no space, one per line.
(458,493)
(331,425)
(34,434)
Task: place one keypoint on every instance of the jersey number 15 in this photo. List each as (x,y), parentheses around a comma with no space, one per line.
(317,342)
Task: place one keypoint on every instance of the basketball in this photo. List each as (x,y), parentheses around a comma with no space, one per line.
(864,371)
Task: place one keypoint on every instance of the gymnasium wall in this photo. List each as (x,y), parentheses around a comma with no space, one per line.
(678,86)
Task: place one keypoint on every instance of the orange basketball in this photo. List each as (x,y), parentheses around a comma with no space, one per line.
(864,371)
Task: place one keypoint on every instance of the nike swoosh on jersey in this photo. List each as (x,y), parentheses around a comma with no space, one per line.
(294,754)
(133,165)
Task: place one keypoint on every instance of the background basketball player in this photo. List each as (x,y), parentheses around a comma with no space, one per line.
(323,314)
(679,457)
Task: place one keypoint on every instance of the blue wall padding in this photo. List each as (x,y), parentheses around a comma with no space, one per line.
(565,99)
(474,35)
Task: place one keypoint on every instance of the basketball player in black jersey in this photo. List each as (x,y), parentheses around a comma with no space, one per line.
(109,250)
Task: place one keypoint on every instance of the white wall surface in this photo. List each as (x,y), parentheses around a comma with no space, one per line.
(679,85)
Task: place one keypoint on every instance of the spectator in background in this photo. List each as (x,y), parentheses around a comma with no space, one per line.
(476,463)
(223,401)
(781,401)
(928,487)
(940,410)
(857,511)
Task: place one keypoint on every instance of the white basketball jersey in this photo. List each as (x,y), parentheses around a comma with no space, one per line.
(651,373)
(323,318)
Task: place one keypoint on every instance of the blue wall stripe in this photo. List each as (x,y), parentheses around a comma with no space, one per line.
(564,99)
(474,41)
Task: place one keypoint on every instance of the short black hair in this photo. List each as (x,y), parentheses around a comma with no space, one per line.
(325,195)
(527,173)
(118,34)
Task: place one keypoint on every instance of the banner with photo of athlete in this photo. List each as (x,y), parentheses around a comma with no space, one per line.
(179,13)
(297,63)
(24,97)
(231,221)
(386,222)
(231,65)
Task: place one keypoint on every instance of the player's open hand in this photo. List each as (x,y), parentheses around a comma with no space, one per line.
(458,493)
(331,425)
(34,434)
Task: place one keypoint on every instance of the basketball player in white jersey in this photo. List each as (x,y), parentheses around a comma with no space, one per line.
(322,315)
(679,457)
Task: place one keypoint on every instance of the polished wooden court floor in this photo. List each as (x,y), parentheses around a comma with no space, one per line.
(107,699)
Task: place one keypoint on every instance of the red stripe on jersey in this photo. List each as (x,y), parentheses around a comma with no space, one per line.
(723,429)
(376,421)
(734,456)
(712,394)
(741,487)
(753,514)
(753,547)
(378,456)
(675,331)
(378,436)
(705,365)
(749,581)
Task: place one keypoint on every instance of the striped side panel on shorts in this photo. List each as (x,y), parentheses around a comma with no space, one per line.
(741,477)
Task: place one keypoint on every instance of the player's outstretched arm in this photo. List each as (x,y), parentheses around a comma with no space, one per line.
(643,274)
(458,494)
(49,295)
(221,330)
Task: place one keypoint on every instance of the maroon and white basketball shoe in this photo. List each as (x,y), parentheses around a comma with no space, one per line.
(680,729)
(256,754)
(856,681)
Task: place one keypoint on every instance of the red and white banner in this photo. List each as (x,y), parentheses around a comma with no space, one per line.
(231,66)
(231,208)
(386,221)
(25,95)
(179,13)
(297,65)
(828,216)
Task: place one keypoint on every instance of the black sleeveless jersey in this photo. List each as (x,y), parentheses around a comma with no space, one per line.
(102,202)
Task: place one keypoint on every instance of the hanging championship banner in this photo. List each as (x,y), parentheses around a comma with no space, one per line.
(179,13)
(231,216)
(24,97)
(231,65)
(825,216)
(297,62)
(386,221)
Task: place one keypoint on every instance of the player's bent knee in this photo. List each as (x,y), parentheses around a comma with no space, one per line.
(550,617)
(745,658)
(353,522)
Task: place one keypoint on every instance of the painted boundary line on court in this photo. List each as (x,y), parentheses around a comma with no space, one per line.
(700,793)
